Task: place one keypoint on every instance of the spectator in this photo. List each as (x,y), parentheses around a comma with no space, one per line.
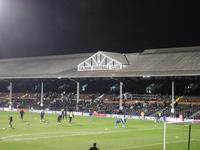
(94,147)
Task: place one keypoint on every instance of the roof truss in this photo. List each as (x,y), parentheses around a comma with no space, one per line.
(99,61)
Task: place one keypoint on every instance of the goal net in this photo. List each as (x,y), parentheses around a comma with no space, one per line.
(181,135)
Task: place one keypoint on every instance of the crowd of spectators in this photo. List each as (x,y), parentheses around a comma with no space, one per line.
(132,105)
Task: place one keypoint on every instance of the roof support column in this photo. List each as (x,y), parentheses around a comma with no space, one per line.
(42,95)
(121,96)
(77,94)
(173,102)
(10,95)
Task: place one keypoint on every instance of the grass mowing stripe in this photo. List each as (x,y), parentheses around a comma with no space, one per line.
(17,138)
(148,145)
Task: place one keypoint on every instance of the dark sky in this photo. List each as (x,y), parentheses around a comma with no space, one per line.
(48,27)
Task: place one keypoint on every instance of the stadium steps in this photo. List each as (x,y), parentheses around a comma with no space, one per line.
(161,110)
(99,97)
(194,114)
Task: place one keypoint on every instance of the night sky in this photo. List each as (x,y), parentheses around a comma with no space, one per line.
(49,27)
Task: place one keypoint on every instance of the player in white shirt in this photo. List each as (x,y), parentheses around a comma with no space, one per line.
(71,115)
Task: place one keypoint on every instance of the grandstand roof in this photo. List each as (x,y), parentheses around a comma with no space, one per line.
(182,61)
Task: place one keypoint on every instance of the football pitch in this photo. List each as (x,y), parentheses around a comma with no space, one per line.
(32,134)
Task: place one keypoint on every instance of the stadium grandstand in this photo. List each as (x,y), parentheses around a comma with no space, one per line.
(120,101)
(154,80)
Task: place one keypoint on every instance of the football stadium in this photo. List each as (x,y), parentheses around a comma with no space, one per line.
(148,100)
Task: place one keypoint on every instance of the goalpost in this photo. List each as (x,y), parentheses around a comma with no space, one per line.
(187,125)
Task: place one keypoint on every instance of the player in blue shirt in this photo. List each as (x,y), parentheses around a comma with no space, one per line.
(118,121)
(123,121)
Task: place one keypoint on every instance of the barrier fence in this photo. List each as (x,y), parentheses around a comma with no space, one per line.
(171,119)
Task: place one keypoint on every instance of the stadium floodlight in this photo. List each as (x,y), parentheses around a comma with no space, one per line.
(41,104)
(148,76)
(183,123)
(59,77)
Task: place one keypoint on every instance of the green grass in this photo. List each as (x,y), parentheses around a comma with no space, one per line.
(32,134)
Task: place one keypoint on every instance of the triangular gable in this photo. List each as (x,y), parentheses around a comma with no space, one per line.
(99,61)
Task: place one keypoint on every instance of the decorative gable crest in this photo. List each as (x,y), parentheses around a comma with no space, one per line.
(99,61)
